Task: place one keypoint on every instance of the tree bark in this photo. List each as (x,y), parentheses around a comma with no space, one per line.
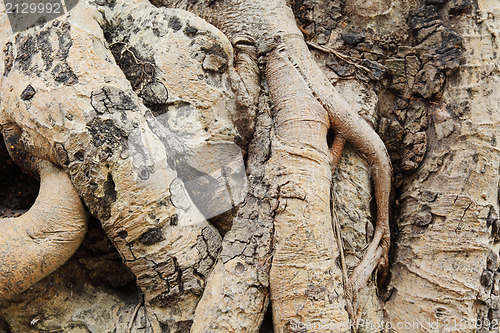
(446,254)
(143,90)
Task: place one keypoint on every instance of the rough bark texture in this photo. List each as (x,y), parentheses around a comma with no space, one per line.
(92,292)
(294,78)
(143,88)
(100,132)
(446,253)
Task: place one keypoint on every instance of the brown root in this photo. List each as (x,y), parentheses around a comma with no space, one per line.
(336,150)
(38,242)
(349,126)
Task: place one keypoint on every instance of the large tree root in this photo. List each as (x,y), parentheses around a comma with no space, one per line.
(118,153)
(304,277)
(237,293)
(350,127)
(41,240)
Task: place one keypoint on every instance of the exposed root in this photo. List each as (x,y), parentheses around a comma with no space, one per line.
(351,297)
(362,273)
(345,278)
(236,294)
(375,152)
(134,315)
(336,150)
(349,126)
(38,242)
(348,59)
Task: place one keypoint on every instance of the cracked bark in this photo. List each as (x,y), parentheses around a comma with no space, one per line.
(440,131)
(153,223)
(449,207)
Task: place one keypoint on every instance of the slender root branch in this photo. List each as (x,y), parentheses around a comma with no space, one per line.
(336,150)
(339,55)
(351,300)
(134,315)
(353,129)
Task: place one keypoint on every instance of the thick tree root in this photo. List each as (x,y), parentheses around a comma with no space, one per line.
(237,295)
(38,242)
(356,131)
(351,128)
(113,147)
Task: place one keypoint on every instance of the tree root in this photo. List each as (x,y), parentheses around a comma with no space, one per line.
(351,289)
(302,96)
(305,96)
(38,242)
(236,294)
(377,251)
(349,127)
(336,150)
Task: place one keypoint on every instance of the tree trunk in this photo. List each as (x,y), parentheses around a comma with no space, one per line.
(228,150)
(446,253)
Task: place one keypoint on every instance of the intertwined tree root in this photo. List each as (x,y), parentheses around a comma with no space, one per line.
(41,240)
(305,105)
(350,127)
